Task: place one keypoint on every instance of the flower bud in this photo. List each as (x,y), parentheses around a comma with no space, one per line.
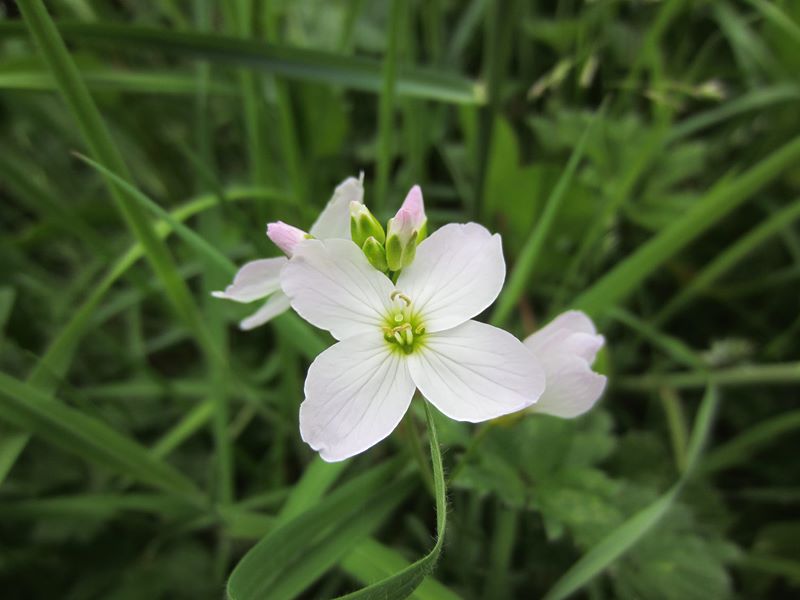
(363,225)
(286,237)
(406,230)
(376,254)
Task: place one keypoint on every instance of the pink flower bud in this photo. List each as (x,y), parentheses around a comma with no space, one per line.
(286,237)
(410,218)
(414,207)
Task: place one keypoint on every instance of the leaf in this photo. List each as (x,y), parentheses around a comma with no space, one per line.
(401,584)
(743,446)
(69,429)
(371,561)
(103,149)
(198,244)
(306,65)
(282,551)
(526,260)
(112,80)
(627,276)
(623,538)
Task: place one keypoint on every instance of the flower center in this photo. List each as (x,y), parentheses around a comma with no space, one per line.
(403,329)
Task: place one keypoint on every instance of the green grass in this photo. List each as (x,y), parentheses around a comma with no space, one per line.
(639,159)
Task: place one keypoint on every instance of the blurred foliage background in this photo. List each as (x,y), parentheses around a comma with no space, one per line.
(641,160)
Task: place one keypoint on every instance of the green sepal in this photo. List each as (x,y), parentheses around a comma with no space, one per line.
(376,254)
(394,253)
(364,225)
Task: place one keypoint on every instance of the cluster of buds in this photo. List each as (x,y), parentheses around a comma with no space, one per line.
(395,248)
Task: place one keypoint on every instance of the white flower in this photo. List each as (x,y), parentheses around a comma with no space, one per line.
(260,279)
(396,337)
(566,348)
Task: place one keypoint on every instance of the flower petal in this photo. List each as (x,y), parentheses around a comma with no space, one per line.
(256,279)
(566,348)
(277,304)
(476,372)
(559,332)
(357,391)
(458,271)
(332,286)
(334,220)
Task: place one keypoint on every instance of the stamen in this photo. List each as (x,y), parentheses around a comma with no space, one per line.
(402,296)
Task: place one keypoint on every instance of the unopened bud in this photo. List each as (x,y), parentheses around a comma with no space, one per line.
(376,254)
(363,225)
(286,237)
(405,230)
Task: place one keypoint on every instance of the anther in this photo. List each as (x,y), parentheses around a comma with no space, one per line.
(402,296)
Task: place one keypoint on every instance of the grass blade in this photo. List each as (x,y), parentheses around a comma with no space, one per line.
(102,147)
(624,537)
(526,260)
(305,65)
(69,429)
(617,284)
(729,258)
(746,444)
(198,244)
(772,374)
(284,548)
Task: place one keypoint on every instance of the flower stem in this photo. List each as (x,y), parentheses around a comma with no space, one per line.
(412,437)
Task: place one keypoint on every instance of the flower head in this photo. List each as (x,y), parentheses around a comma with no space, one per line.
(566,348)
(260,279)
(397,337)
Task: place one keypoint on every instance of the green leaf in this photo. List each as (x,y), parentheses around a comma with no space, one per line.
(69,429)
(318,477)
(197,243)
(403,583)
(306,65)
(627,276)
(104,150)
(371,561)
(111,80)
(746,444)
(529,254)
(282,551)
(625,537)
(729,258)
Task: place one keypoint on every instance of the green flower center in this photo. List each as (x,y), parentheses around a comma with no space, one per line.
(403,331)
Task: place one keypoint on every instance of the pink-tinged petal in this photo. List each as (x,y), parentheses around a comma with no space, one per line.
(457,273)
(566,348)
(414,206)
(255,280)
(286,237)
(410,218)
(356,392)
(277,304)
(476,372)
(334,220)
(332,285)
